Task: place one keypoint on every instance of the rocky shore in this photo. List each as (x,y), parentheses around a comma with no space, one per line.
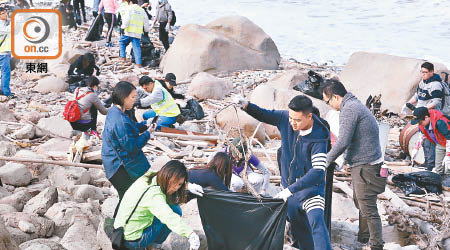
(48,206)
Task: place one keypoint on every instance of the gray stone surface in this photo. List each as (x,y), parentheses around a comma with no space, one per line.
(15,174)
(42,202)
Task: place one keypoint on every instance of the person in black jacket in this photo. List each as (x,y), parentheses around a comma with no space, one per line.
(84,65)
(169,82)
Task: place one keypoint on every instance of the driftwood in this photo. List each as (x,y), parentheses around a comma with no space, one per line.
(60,163)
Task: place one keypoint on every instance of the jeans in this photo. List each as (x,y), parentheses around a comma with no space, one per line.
(429,153)
(164,35)
(77,5)
(6,74)
(154,234)
(135,42)
(367,184)
(163,121)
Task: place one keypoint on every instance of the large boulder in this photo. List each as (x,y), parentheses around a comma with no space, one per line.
(55,125)
(26,132)
(206,86)
(228,120)
(42,202)
(51,84)
(81,235)
(227,44)
(395,78)
(269,97)
(7,114)
(30,223)
(288,79)
(17,200)
(41,244)
(6,242)
(15,174)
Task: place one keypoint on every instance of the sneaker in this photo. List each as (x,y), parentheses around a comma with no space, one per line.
(94,133)
(12,96)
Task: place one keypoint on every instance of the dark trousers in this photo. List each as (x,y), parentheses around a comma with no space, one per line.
(77,5)
(110,20)
(164,35)
(121,181)
(86,126)
(367,184)
(429,152)
(307,223)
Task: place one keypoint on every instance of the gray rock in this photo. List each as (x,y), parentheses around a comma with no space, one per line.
(67,176)
(102,182)
(81,235)
(102,237)
(62,213)
(56,125)
(95,174)
(6,209)
(17,200)
(7,114)
(83,192)
(15,174)
(109,206)
(26,132)
(4,192)
(6,149)
(41,226)
(6,241)
(345,233)
(206,86)
(38,247)
(33,116)
(51,84)
(20,237)
(42,202)
(159,162)
(55,147)
(36,243)
(4,129)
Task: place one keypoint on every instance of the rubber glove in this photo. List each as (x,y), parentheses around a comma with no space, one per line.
(284,194)
(240,101)
(447,156)
(404,109)
(194,241)
(195,189)
(167,27)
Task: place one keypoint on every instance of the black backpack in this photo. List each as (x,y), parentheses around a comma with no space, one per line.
(174,19)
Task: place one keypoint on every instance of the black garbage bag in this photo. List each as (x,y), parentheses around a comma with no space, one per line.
(95,31)
(329,195)
(312,86)
(241,221)
(414,183)
(192,111)
(149,54)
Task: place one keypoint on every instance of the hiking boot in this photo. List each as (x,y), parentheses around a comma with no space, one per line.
(363,239)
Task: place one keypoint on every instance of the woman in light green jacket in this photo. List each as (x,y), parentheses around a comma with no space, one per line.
(158,212)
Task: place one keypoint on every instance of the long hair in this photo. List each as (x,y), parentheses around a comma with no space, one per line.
(221,165)
(171,172)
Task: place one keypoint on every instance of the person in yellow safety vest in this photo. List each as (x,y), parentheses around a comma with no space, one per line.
(134,23)
(160,100)
(5,53)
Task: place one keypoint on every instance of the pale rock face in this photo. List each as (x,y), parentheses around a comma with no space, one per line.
(227,44)
(15,174)
(206,86)
(51,84)
(56,125)
(42,202)
(229,119)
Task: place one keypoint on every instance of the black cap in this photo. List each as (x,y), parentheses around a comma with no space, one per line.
(419,115)
(171,78)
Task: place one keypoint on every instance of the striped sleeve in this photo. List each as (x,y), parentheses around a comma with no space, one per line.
(319,161)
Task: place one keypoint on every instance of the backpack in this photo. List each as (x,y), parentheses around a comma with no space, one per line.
(445,106)
(72,109)
(174,19)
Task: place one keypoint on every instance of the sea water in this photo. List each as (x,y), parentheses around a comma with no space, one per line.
(329,31)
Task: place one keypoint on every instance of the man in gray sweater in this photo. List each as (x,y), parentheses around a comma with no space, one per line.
(358,139)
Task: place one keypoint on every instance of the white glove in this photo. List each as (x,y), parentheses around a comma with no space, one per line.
(167,27)
(404,110)
(194,241)
(284,194)
(195,189)
(240,101)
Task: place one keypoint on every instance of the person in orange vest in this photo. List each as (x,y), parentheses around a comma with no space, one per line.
(435,126)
